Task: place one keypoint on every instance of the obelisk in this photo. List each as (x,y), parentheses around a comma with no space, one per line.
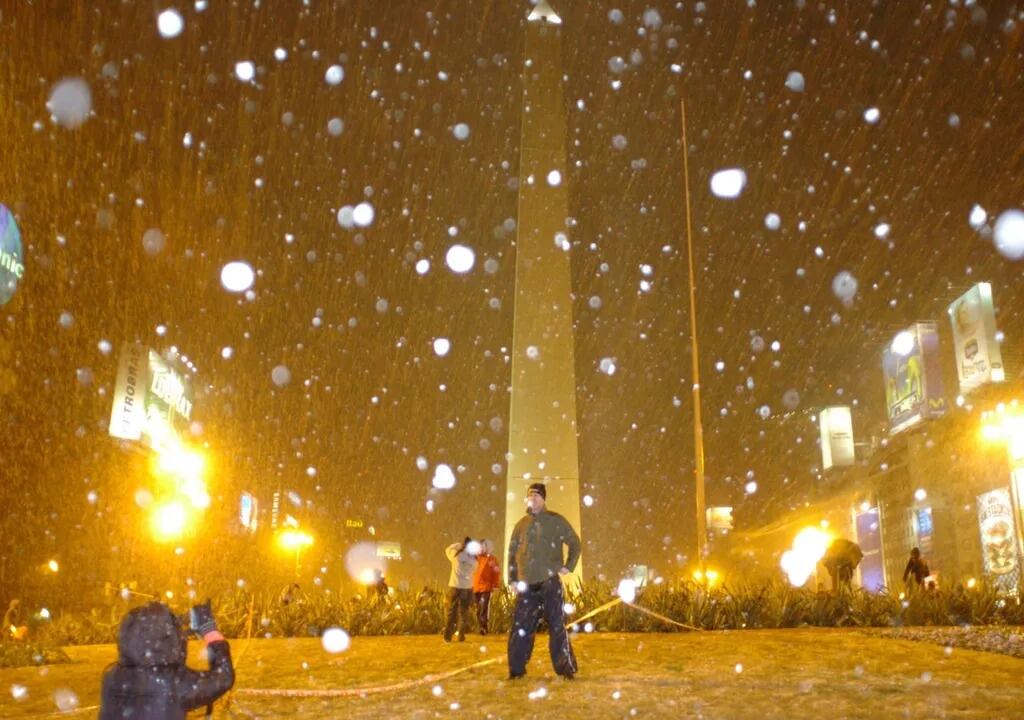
(542,418)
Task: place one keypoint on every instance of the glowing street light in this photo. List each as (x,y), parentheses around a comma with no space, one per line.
(169,521)
(294,540)
(801,561)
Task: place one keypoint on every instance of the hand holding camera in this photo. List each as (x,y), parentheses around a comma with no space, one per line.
(201,619)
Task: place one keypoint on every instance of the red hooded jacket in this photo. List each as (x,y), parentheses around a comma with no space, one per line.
(487,576)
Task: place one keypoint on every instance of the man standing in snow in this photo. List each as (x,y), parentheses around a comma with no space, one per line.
(535,566)
(462,556)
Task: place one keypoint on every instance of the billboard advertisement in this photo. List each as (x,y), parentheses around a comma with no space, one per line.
(389,550)
(978,359)
(913,377)
(836,426)
(998,539)
(151,402)
(247,512)
(719,518)
(12,262)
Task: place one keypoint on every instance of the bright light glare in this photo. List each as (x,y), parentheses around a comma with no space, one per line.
(294,539)
(368,576)
(181,462)
(53,565)
(809,547)
(169,521)
(627,590)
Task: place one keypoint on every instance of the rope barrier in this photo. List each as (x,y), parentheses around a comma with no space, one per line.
(595,611)
(663,618)
(349,692)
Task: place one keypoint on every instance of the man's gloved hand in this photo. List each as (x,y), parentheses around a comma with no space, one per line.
(201,619)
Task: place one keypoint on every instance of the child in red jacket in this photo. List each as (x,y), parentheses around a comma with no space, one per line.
(486,578)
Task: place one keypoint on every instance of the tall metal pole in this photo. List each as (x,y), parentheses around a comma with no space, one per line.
(698,429)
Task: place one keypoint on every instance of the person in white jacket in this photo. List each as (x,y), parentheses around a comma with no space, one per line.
(462,556)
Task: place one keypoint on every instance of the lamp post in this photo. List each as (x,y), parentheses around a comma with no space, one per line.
(698,429)
(295,540)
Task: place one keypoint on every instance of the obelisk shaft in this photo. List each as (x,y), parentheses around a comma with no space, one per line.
(542,419)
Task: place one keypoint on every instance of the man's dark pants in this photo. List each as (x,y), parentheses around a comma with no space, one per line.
(459,600)
(541,597)
(483,609)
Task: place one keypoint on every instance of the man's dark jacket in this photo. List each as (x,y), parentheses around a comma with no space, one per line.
(535,548)
(150,680)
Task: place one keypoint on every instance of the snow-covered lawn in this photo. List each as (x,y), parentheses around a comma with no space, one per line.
(814,673)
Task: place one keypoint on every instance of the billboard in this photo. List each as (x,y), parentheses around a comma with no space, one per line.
(151,402)
(12,262)
(913,377)
(998,539)
(719,518)
(836,426)
(247,515)
(389,550)
(978,359)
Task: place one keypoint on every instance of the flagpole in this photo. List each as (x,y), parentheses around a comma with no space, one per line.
(698,429)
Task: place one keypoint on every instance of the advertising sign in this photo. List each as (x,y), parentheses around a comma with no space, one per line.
(390,550)
(925,529)
(998,539)
(836,426)
(151,400)
(719,518)
(869,537)
(12,262)
(978,359)
(913,377)
(247,512)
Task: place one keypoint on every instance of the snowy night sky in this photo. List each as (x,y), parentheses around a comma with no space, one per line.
(903,117)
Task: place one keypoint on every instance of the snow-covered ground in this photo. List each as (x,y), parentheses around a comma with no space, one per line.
(815,673)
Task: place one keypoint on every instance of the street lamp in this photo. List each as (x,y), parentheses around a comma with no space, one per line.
(294,540)
(169,521)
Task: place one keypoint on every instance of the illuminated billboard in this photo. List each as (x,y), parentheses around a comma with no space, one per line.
(389,550)
(998,539)
(719,518)
(913,377)
(12,262)
(247,514)
(152,402)
(978,359)
(836,426)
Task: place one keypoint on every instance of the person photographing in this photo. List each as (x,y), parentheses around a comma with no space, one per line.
(150,679)
(535,567)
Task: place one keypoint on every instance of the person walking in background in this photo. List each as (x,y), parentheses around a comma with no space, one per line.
(462,556)
(841,560)
(486,578)
(535,566)
(917,569)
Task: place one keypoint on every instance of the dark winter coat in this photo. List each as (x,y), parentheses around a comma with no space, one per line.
(917,568)
(150,680)
(535,548)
